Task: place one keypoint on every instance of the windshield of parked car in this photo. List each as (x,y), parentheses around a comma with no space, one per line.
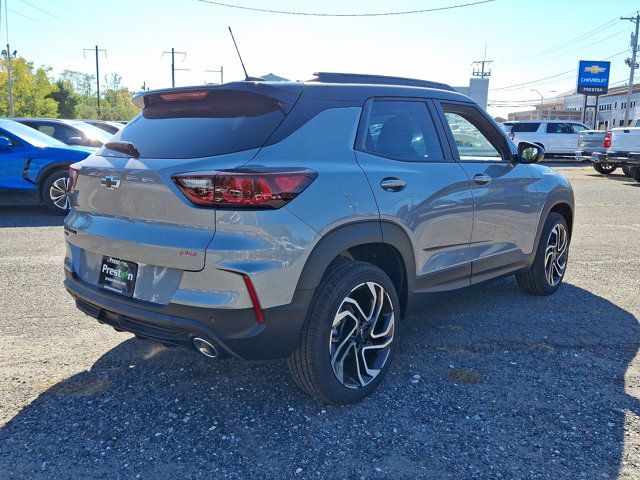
(91,132)
(30,135)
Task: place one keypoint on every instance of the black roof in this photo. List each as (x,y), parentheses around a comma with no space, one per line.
(341,87)
(366,79)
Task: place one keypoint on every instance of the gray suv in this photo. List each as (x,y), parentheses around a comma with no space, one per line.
(304,220)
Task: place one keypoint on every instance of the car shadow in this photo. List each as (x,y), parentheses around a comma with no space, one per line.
(488,383)
(618,177)
(28,216)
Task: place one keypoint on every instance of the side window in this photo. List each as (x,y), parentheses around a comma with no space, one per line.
(475,137)
(525,127)
(559,128)
(577,128)
(46,129)
(63,133)
(402,130)
(13,140)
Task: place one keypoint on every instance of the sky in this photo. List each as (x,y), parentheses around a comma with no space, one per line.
(528,40)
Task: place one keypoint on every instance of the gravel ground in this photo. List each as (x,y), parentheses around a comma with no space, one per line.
(489,383)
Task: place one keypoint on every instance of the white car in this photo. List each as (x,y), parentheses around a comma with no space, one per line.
(558,137)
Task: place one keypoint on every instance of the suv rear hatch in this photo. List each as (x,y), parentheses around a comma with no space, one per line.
(125,203)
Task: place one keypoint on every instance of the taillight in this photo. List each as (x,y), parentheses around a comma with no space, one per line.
(244,188)
(73,178)
(607,140)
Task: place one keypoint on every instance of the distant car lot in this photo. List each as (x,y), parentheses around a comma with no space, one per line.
(488,382)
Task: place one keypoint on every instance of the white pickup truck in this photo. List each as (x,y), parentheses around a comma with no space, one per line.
(622,146)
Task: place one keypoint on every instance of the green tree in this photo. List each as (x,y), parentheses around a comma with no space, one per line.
(67,99)
(31,90)
(116,101)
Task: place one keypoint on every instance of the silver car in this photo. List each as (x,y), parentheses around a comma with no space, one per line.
(304,220)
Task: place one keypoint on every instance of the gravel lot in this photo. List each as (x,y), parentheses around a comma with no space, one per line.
(489,383)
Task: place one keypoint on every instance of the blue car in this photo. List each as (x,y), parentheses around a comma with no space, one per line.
(34,167)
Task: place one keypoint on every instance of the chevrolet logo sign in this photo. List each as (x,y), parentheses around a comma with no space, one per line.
(110,182)
(595,69)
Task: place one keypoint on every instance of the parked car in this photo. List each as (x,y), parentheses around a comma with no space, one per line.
(304,220)
(557,137)
(106,125)
(595,141)
(34,167)
(70,132)
(622,148)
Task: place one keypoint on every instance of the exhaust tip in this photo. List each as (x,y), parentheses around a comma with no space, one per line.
(204,347)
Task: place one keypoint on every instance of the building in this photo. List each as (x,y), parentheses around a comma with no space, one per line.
(570,105)
(478,90)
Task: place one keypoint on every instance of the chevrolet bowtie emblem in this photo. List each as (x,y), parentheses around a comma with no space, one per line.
(110,182)
(595,69)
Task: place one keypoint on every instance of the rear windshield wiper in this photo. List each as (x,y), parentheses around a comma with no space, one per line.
(123,147)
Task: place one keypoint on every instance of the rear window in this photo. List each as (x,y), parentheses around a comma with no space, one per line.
(203,123)
(525,127)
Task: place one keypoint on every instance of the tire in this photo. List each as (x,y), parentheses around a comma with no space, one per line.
(55,194)
(634,172)
(547,271)
(625,170)
(605,168)
(330,362)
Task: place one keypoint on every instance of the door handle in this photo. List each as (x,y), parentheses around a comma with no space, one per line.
(392,184)
(481,179)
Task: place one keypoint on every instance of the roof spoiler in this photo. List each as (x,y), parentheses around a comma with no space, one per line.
(336,77)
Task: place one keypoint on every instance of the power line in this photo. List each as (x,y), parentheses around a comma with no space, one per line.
(49,13)
(317,14)
(598,29)
(539,80)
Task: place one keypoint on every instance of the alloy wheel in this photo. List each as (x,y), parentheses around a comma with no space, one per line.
(555,255)
(59,193)
(361,335)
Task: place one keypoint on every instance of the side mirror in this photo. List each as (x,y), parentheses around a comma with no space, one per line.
(5,143)
(75,141)
(529,153)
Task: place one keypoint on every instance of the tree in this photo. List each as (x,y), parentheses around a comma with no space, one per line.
(31,90)
(116,101)
(67,99)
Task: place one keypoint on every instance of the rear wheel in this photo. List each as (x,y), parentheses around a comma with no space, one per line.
(56,194)
(349,335)
(550,263)
(634,172)
(605,168)
(625,170)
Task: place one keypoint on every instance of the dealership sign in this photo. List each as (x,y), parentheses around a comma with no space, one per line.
(593,77)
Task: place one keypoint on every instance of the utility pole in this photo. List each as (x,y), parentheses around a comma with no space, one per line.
(97,50)
(173,63)
(631,62)
(479,66)
(8,54)
(221,72)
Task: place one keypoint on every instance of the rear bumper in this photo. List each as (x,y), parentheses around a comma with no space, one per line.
(617,158)
(234,332)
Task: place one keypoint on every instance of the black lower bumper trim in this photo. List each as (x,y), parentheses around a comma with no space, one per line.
(235,332)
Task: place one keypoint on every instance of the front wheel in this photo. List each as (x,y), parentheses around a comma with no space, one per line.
(625,170)
(349,336)
(550,262)
(605,168)
(56,194)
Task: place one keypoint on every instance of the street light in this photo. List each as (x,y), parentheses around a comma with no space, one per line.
(541,101)
(7,53)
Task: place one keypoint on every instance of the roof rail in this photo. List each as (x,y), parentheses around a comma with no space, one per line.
(337,77)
